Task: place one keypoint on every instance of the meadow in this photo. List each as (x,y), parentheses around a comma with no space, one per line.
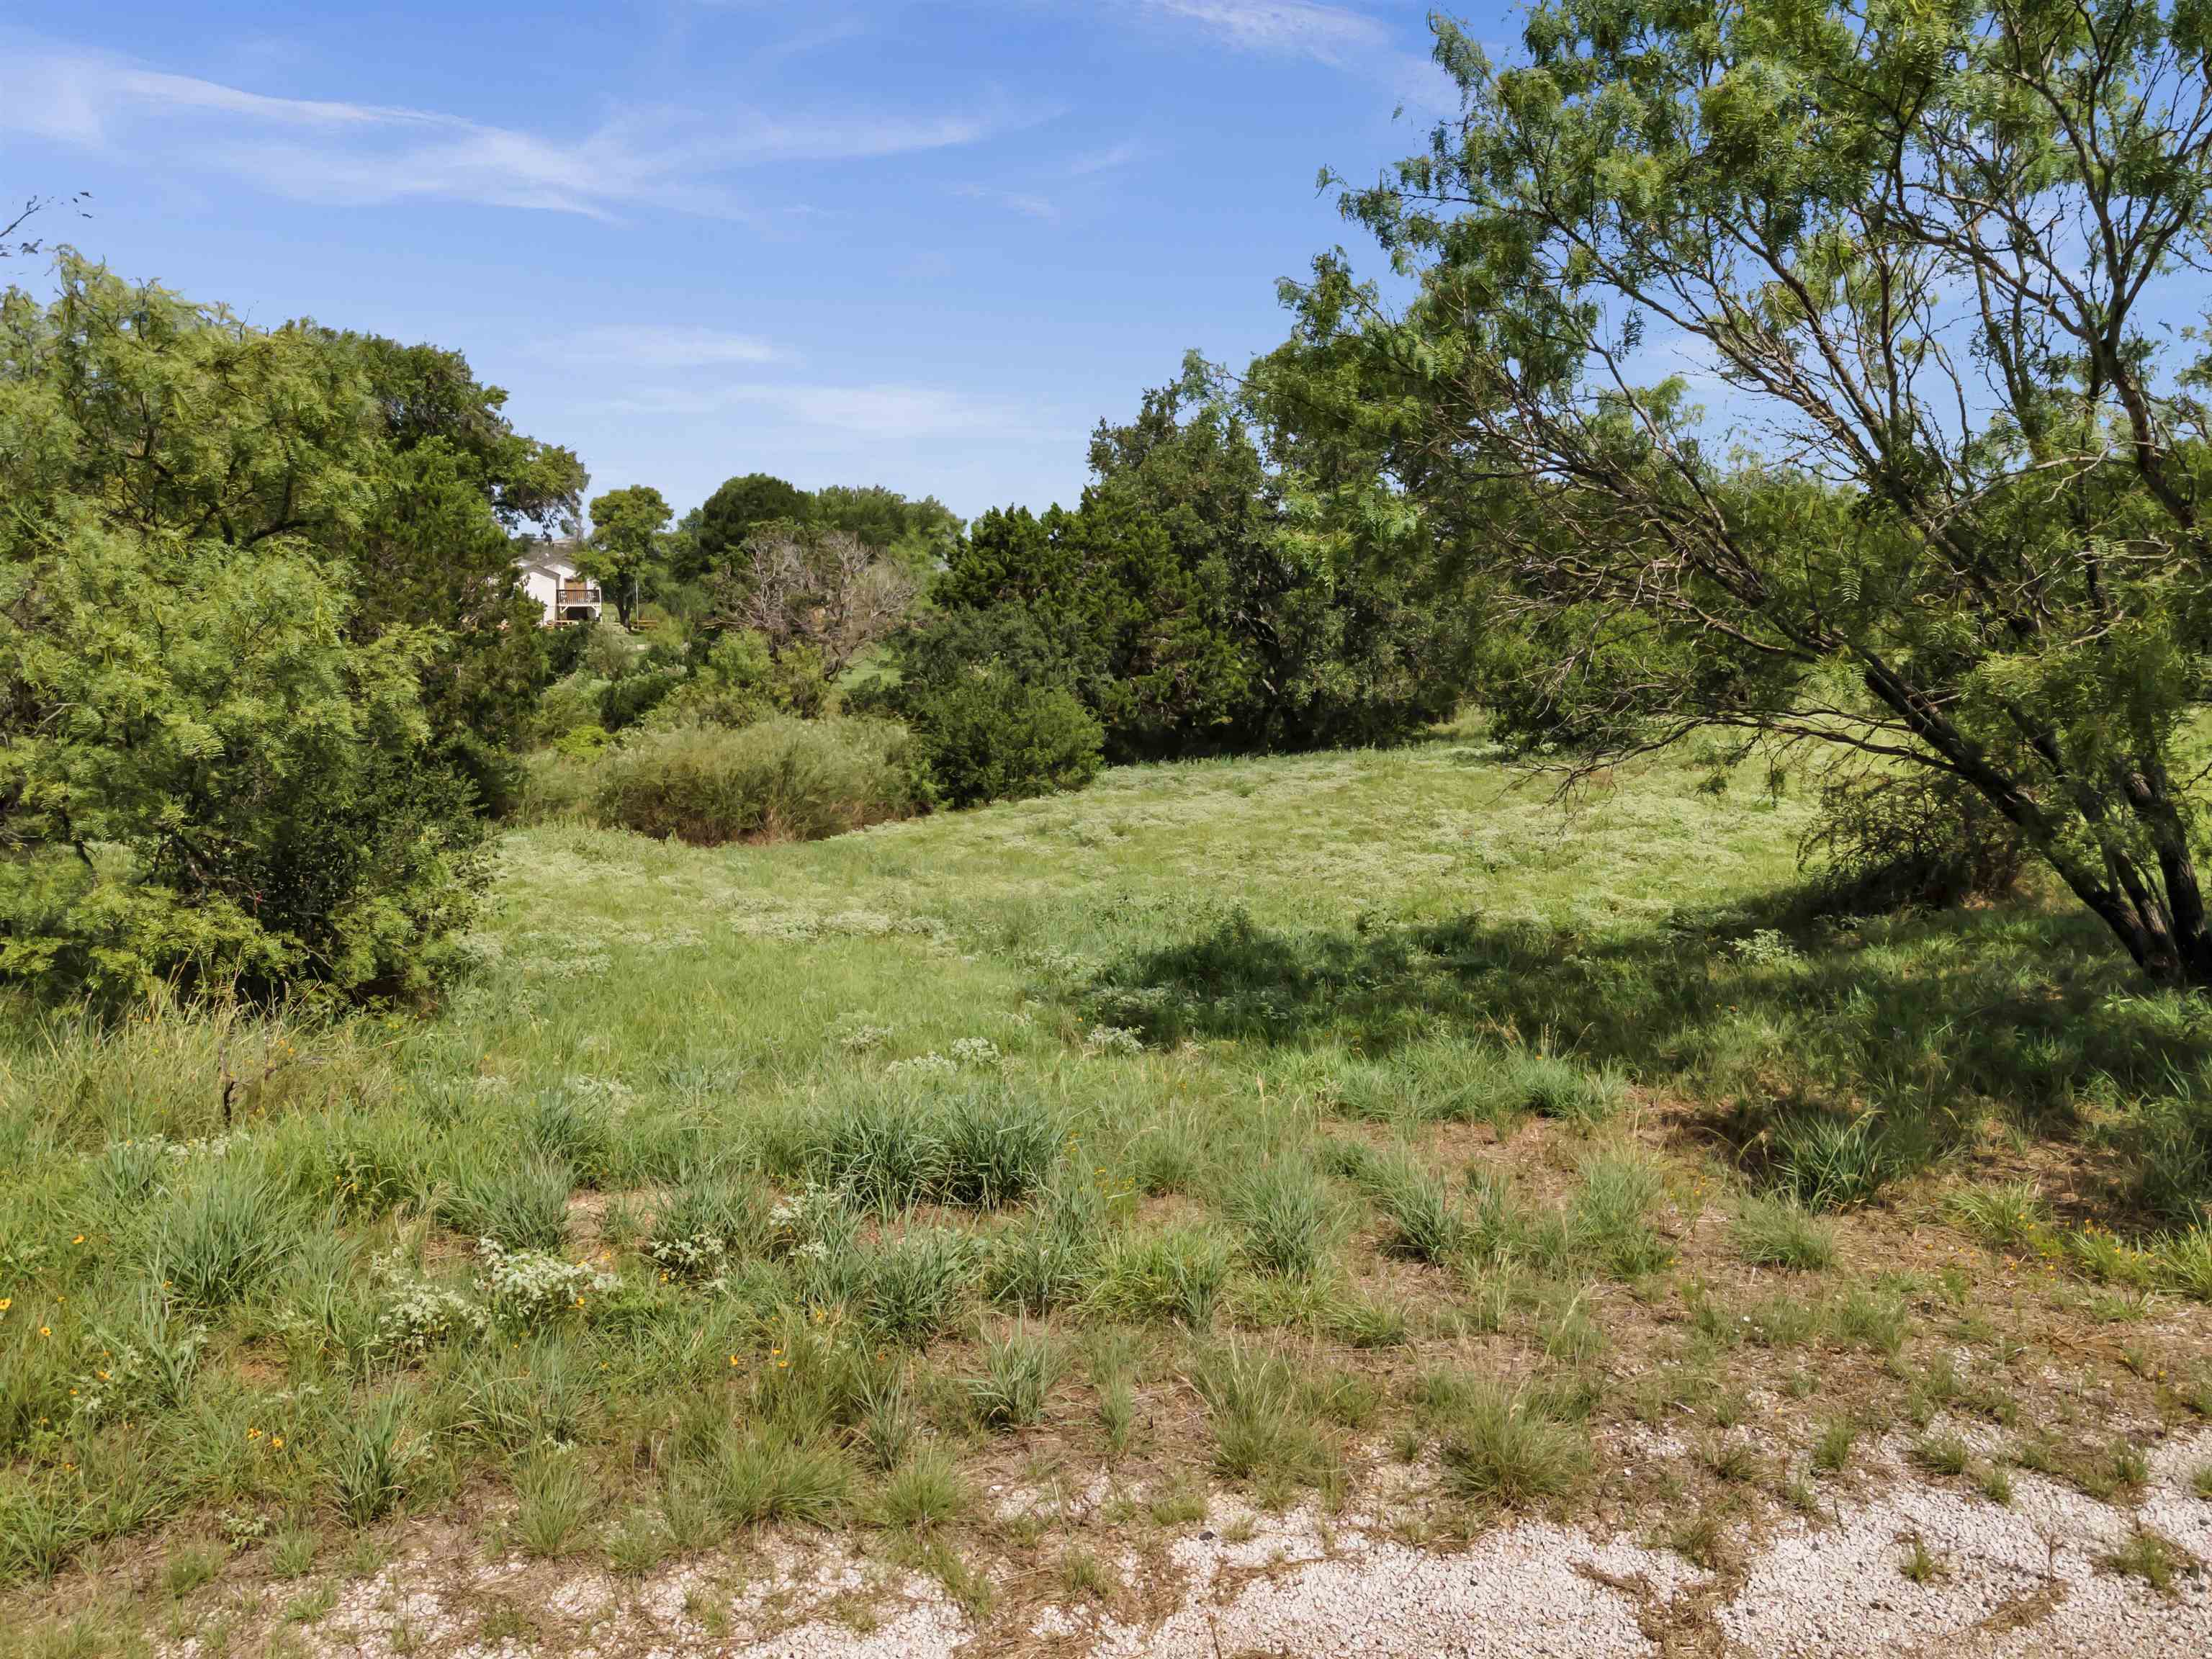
(1247,1126)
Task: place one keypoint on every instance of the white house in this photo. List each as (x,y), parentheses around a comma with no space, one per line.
(547,572)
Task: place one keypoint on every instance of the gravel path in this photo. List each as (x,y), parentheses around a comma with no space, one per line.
(2030,1578)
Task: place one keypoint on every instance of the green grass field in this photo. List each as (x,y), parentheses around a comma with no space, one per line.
(1264,1121)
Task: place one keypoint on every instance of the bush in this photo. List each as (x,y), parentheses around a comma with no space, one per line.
(554,786)
(584,742)
(781,780)
(988,736)
(218,764)
(735,685)
(1915,840)
(568,703)
(627,701)
(987,696)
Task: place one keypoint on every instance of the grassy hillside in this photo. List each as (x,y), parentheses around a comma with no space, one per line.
(1236,1123)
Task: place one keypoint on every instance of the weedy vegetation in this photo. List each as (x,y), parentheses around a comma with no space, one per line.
(816,1185)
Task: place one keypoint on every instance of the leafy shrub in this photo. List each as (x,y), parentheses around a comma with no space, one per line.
(737,684)
(629,700)
(781,779)
(526,1288)
(1915,839)
(220,767)
(416,1316)
(583,743)
(988,736)
(568,703)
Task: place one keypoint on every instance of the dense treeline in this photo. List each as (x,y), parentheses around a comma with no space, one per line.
(1177,610)
(266,671)
(1178,605)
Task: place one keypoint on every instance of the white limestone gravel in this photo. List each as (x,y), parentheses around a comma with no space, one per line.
(2019,1581)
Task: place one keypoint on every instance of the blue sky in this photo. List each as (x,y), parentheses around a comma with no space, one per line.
(923,245)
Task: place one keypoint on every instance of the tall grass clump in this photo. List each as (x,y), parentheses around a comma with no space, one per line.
(781,779)
(1610,1218)
(926,1491)
(888,1150)
(1509,1446)
(491,1192)
(1460,1080)
(222,1234)
(1020,1370)
(1046,1261)
(369,1457)
(715,1217)
(1777,1230)
(1177,1273)
(1262,1429)
(1288,1217)
(912,1285)
(2172,1148)
(1427,1223)
(763,1475)
(554,1494)
(1832,1164)
(2006,1215)
(999,1148)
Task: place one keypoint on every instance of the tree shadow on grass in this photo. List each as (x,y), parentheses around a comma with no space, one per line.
(1936,1020)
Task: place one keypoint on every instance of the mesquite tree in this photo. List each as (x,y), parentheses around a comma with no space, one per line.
(1922,258)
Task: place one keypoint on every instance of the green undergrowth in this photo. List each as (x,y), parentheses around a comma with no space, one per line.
(764,1186)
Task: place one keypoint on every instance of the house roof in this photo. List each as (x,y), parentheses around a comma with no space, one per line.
(553,558)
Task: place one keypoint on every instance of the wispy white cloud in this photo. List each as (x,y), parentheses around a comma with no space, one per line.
(1332,34)
(1020,201)
(881,410)
(661,345)
(359,153)
(1338,36)
(1105,161)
